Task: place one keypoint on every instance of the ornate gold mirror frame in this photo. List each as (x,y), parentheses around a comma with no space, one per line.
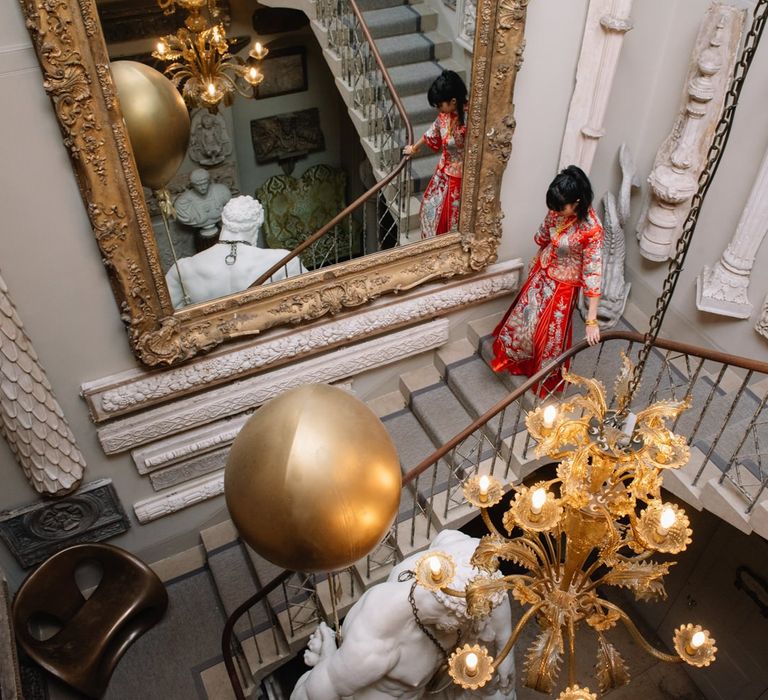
(70,46)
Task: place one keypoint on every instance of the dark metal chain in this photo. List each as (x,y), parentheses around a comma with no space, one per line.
(407,575)
(714,156)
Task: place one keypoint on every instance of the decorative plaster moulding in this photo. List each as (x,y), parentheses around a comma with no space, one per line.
(607,23)
(193,493)
(762,323)
(247,394)
(723,289)
(31,419)
(681,157)
(137,390)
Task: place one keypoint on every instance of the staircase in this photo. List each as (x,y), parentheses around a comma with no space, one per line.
(414,53)
(437,402)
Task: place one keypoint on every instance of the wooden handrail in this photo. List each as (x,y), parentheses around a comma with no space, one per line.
(633,336)
(379,185)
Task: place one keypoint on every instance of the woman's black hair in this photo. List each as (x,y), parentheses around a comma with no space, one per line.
(570,186)
(449,86)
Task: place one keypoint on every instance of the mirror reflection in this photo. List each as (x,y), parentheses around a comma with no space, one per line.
(301,152)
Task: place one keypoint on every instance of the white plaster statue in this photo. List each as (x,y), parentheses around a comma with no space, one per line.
(614,289)
(201,205)
(233,263)
(209,142)
(723,289)
(606,24)
(681,157)
(385,654)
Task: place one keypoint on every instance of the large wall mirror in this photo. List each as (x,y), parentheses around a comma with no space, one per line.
(313,131)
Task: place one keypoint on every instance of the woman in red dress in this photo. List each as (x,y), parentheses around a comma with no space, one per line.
(537,328)
(440,205)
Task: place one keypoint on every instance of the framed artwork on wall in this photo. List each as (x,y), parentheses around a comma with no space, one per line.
(285,136)
(285,72)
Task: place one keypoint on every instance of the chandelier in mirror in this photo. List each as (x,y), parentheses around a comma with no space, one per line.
(200,64)
(598,523)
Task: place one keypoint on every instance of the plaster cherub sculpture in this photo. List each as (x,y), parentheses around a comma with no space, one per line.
(386,654)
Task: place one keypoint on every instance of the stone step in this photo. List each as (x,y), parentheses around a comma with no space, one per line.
(393,21)
(233,577)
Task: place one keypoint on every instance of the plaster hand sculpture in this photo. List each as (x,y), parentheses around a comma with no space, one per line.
(210,143)
(384,652)
(233,263)
(201,205)
(615,289)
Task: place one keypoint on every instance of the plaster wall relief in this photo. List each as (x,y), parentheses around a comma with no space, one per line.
(723,288)
(31,419)
(681,157)
(607,23)
(762,323)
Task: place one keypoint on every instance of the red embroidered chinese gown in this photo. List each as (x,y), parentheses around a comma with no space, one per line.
(537,327)
(440,204)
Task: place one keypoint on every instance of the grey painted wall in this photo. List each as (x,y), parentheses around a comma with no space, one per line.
(52,267)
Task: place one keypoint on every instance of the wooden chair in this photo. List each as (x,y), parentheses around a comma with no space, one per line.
(96,631)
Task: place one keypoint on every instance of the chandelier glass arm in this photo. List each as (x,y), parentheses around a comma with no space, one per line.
(638,637)
(522,622)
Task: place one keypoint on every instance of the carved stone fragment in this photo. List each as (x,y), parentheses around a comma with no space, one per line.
(33,533)
(723,289)
(607,23)
(614,288)
(681,157)
(31,419)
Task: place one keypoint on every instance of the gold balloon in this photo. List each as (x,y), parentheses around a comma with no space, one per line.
(157,120)
(313,480)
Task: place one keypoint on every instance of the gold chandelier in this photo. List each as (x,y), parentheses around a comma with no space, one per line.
(596,524)
(201,65)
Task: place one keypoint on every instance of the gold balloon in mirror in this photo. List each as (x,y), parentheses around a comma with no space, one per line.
(157,120)
(313,480)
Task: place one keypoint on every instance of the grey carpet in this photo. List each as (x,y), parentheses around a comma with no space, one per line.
(368,5)
(392,21)
(414,78)
(164,663)
(413,445)
(407,48)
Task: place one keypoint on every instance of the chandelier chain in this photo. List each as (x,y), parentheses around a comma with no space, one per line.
(714,156)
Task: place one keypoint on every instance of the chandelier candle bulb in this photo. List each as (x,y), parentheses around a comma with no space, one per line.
(435,568)
(470,664)
(483,484)
(548,416)
(698,640)
(538,499)
(161,47)
(666,521)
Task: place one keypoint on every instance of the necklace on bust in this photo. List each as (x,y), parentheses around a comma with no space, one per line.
(232,256)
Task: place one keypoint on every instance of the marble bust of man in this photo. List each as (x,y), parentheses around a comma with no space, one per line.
(385,653)
(201,204)
(233,263)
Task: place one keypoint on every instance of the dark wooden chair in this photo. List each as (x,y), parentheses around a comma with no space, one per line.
(96,631)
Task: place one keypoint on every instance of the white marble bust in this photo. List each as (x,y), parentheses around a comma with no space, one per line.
(201,204)
(384,653)
(233,263)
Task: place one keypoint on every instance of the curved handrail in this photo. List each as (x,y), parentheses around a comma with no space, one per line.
(379,185)
(633,336)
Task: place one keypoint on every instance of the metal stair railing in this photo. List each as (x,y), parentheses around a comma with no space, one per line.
(725,422)
(375,100)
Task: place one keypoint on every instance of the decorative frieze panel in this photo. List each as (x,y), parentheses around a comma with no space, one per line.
(607,23)
(723,289)
(680,159)
(192,493)
(31,419)
(244,395)
(134,391)
(33,533)
(762,323)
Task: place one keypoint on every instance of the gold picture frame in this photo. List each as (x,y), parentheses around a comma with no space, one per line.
(70,46)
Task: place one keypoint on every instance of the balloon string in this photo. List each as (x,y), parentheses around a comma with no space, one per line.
(166,209)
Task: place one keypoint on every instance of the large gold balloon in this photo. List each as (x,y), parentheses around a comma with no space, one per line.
(157,121)
(313,480)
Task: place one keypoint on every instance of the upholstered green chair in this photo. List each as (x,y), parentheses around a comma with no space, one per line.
(295,208)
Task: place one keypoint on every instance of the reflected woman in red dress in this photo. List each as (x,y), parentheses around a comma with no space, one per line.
(440,205)
(537,328)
